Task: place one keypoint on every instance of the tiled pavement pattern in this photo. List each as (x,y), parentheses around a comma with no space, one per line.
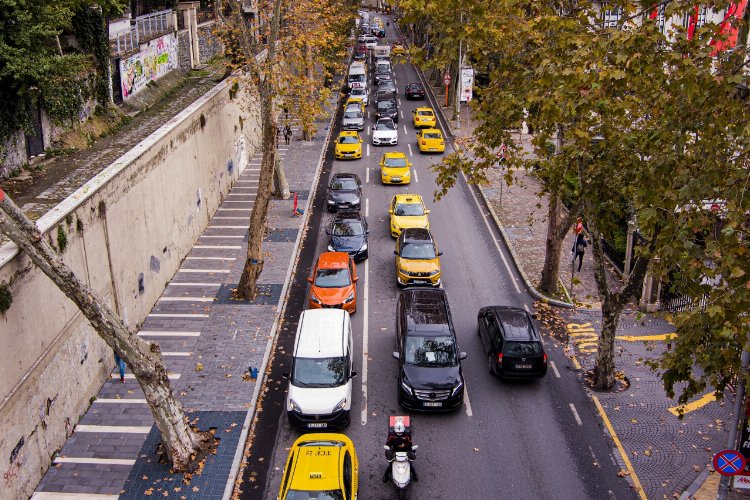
(668,454)
(207,344)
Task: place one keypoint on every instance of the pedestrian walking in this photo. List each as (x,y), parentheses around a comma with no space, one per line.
(287,134)
(286,112)
(121,365)
(579,248)
(278,133)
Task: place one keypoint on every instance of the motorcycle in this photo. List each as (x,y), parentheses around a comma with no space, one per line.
(400,468)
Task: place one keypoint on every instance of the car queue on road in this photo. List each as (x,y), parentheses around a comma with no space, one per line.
(430,378)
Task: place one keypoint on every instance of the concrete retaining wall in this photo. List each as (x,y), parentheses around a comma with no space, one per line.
(125,233)
(208,44)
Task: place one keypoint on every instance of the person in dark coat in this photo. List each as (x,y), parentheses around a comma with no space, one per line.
(579,248)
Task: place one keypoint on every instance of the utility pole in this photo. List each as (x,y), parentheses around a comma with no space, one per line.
(738,415)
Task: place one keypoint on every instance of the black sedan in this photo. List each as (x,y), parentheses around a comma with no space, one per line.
(348,233)
(414,91)
(512,343)
(344,192)
(387,108)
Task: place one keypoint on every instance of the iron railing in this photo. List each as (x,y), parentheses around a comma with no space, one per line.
(145,28)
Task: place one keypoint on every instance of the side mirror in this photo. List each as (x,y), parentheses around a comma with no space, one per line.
(361,141)
(386,447)
(462,355)
(408,164)
(390,211)
(309,279)
(414,447)
(355,279)
(354,374)
(396,355)
(367,232)
(395,252)
(440,253)
(427,211)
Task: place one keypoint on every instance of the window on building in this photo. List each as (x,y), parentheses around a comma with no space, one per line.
(612,16)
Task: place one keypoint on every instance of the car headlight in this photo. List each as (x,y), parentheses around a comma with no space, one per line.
(405,386)
(340,406)
(314,298)
(294,406)
(349,298)
(330,248)
(434,272)
(331,202)
(458,387)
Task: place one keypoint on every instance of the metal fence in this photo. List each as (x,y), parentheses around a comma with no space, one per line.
(145,28)
(683,303)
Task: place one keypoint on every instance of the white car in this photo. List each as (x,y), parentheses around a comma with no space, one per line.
(370,41)
(384,133)
(361,93)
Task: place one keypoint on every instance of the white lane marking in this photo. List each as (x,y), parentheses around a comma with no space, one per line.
(416,179)
(365,312)
(405,132)
(368,130)
(399,101)
(467,401)
(98,461)
(367,174)
(186,283)
(395,82)
(554,368)
(401,112)
(494,240)
(154,333)
(526,306)
(125,429)
(121,401)
(367,208)
(182,315)
(368,150)
(409,146)
(575,414)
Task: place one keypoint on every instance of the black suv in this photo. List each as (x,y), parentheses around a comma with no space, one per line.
(429,375)
(348,232)
(415,91)
(344,192)
(513,346)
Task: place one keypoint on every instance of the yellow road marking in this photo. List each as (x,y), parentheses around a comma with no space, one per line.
(576,363)
(578,327)
(623,454)
(592,333)
(695,405)
(637,338)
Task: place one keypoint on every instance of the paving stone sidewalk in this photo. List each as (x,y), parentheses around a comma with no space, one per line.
(209,343)
(667,454)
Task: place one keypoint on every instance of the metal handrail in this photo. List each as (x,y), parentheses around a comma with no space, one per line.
(145,27)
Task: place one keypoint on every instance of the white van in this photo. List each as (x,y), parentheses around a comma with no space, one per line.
(320,383)
(357,75)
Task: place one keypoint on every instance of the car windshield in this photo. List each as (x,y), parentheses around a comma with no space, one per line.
(356,78)
(353,114)
(359,92)
(383,68)
(344,185)
(319,372)
(385,104)
(348,229)
(522,348)
(395,162)
(385,125)
(430,351)
(417,251)
(424,113)
(432,135)
(314,495)
(332,278)
(348,139)
(409,209)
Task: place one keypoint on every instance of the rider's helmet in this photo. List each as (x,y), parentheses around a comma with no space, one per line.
(399,428)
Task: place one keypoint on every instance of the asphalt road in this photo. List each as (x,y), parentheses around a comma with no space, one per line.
(537,439)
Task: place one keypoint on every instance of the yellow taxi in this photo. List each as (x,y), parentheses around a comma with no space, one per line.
(430,140)
(407,210)
(355,100)
(424,118)
(395,168)
(348,145)
(397,49)
(321,465)
(417,258)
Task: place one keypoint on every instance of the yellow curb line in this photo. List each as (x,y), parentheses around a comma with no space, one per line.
(628,465)
(692,406)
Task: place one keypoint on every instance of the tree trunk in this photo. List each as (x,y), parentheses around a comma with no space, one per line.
(308,126)
(184,446)
(604,369)
(280,184)
(259,215)
(551,269)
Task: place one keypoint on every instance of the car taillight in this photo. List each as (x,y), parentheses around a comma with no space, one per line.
(499,358)
(545,358)
(424,143)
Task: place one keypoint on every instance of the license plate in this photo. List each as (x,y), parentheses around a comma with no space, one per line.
(421,282)
(317,425)
(433,404)
(433,149)
(523,366)
(395,179)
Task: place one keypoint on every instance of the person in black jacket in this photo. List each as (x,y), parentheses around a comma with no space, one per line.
(579,248)
(399,441)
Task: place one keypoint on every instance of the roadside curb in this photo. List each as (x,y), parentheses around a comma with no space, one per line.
(696,484)
(516,261)
(260,382)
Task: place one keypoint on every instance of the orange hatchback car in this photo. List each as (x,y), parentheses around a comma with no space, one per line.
(334,282)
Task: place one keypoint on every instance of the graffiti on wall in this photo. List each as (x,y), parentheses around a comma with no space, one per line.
(155,59)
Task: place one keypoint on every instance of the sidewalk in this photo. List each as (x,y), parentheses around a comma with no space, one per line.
(209,342)
(662,455)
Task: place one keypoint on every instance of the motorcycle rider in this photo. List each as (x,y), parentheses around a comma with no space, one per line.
(399,441)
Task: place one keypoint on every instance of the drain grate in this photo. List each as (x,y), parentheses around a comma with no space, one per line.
(282,235)
(268,294)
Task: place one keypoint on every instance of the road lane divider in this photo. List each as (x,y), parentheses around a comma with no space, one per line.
(575,414)
(367,175)
(623,454)
(416,179)
(405,131)
(554,368)
(467,401)
(368,150)
(408,145)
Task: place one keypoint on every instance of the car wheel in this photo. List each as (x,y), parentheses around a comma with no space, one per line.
(491,364)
